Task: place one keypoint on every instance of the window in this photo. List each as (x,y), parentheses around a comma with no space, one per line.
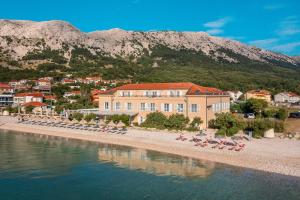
(180,107)
(106,106)
(125,94)
(151,93)
(174,93)
(194,108)
(166,107)
(152,107)
(143,106)
(118,106)
(129,106)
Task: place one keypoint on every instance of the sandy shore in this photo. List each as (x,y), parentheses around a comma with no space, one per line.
(272,155)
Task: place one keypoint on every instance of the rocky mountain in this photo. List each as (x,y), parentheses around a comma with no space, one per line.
(20,38)
(32,49)
(297,58)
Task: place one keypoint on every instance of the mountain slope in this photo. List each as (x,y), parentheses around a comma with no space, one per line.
(56,47)
(22,37)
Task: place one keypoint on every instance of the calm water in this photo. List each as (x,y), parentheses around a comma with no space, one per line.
(33,167)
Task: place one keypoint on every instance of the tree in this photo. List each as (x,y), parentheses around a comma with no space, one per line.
(60,90)
(196,122)
(29,109)
(228,124)
(77,116)
(58,109)
(176,121)
(117,118)
(85,95)
(90,116)
(282,114)
(255,105)
(155,120)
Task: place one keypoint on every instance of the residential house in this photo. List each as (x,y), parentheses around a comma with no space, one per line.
(6,89)
(43,86)
(6,100)
(235,95)
(95,95)
(138,100)
(67,81)
(259,94)
(286,97)
(37,106)
(51,98)
(22,98)
(72,93)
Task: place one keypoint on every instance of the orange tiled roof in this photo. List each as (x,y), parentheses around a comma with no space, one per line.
(5,86)
(50,97)
(34,104)
(292,94)
(29,94)
(192,88)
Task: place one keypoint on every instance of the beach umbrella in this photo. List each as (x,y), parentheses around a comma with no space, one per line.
(102,123)
(93,122)
(68,121)
(120,124)
(75,121)
(111,124)
(83,122)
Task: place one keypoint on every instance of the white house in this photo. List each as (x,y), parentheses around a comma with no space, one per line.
(235,95)
(286,97)
(23,98)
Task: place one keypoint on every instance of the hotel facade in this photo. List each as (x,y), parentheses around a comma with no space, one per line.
(138,100)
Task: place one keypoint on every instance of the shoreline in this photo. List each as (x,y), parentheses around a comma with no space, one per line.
(271,155)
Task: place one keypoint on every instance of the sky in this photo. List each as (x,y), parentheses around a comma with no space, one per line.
(269,24)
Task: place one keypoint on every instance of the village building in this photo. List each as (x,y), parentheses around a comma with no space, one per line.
(286,97)
(235,95)
(259,94)
(22,98)
(138,100)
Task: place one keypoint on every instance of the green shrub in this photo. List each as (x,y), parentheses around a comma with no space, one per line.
(196,122)
(77,116)
(269,113)
(255,105)
(227,123)
(259,126)
(177,122)
(212,124)
(155,120)
(221,131)
(89,117)
(117,118)
(12,109)
(279,126)
(29,109)
(282,114)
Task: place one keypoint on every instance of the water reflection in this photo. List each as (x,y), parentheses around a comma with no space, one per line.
(155,163)
(35,155)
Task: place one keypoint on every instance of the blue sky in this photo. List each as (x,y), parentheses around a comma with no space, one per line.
(273,25)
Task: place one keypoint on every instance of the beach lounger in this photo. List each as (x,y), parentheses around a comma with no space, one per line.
(238,148)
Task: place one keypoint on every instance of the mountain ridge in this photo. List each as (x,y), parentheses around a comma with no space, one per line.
(118,42)
(55,48)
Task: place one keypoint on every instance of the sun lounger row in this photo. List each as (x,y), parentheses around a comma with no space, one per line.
(76,126)
(213,143)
